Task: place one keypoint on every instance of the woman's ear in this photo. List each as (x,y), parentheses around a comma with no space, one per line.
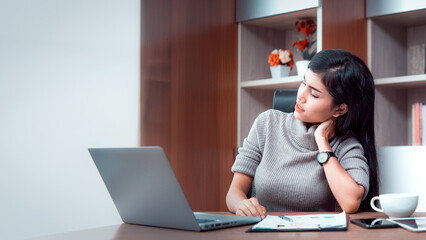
(340,110)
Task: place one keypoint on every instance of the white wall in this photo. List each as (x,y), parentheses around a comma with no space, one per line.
(69,80)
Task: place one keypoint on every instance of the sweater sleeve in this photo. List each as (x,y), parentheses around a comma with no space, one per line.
(250,154)
(351,157)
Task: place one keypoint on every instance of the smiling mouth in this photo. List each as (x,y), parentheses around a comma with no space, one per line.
(298,108)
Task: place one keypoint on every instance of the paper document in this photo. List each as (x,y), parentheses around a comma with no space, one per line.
(318,222)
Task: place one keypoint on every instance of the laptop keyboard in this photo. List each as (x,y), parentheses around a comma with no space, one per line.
(202,220)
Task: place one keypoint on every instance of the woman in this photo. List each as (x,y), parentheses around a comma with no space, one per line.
(319,157)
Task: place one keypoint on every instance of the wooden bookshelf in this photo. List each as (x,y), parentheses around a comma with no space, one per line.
(342,28)
(389,38)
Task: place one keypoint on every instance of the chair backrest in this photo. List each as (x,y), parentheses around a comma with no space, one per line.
(285,100)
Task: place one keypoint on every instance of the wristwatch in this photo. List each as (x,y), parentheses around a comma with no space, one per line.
(324,156)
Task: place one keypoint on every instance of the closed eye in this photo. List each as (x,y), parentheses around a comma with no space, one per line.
(313,89)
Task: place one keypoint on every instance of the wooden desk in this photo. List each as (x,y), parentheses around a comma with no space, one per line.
(129,232)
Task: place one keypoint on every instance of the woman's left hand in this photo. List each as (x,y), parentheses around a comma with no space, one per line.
(326,130)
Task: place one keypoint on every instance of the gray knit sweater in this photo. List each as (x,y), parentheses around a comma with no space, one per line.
(280,153)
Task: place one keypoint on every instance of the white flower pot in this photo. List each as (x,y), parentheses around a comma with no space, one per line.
(280,71)
(302,67)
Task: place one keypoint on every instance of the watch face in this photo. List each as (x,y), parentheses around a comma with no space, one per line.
(322,157)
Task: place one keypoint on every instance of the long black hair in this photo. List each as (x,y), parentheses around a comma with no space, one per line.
(349,81)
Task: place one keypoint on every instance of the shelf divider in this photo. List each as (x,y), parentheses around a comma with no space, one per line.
(402,81)
(291,82)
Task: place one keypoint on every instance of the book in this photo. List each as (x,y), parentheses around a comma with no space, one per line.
(310,222)
(418,124)
(413,124)
(423,122)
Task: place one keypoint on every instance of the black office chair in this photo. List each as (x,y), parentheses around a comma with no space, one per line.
(284,100)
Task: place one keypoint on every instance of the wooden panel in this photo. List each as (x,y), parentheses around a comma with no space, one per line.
(155,74)
(345,26)
(391,122)
(256,45)
(196,104)
(393,114)
(135,232)
(407,81)
(253,102)
(284,21)
(386,63)
(257,42)
(416,35)
(408,18)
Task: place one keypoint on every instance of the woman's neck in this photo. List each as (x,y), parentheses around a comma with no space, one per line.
(308,125)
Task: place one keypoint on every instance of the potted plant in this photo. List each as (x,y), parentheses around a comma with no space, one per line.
(281,62)
(305,44)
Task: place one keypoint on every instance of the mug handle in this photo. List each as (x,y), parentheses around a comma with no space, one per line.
(374,206)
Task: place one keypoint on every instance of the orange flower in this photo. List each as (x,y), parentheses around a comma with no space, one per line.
(274,59)
(281,57)
(302,44)
(308,28)
(286,57)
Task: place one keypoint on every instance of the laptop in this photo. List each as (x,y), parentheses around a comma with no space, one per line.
(145,191)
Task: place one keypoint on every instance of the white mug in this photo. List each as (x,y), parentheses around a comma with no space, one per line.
(396,205)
